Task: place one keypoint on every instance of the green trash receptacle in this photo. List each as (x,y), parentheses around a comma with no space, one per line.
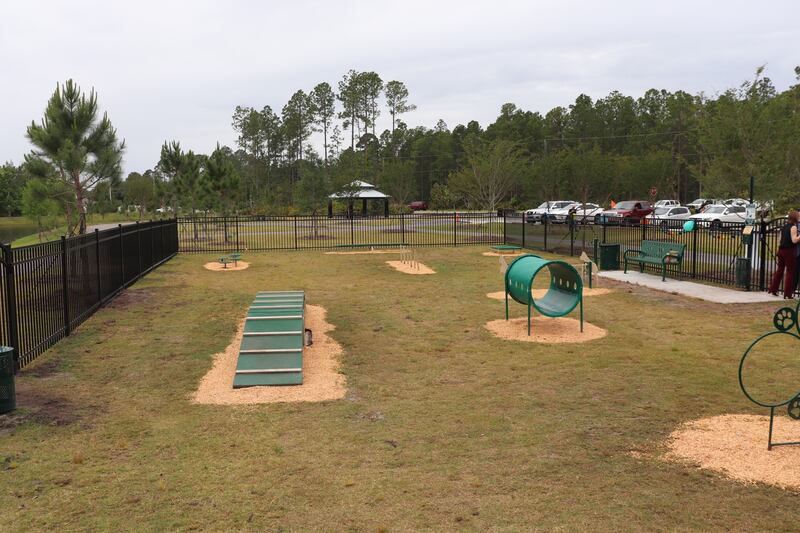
(743,272)
(8,398)
(609,257)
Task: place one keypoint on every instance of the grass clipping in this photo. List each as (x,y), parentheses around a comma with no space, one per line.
(216,266)
(736,446)
(539,293)
(545,330)
(321,378)
(411,267)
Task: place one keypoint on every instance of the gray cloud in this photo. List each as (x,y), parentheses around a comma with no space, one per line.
(175,70)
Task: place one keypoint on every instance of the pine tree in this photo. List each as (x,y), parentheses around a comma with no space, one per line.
(71,145)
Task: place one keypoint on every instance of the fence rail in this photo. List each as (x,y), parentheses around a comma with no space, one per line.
(48,289)
(226,234)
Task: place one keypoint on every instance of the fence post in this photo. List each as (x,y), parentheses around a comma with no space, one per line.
(544,223)
(121,257)
(603,225)
(571,236)
(11,303)
(402,228)
(238,244)
(455,218)
(97,264)
(295,231)
(138,249)
(64,286)
(762,260)
(524,223)
(694,252)
(505,241)
(352,235)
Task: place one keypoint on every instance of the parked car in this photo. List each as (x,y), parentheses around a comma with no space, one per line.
(582,212)
(700,202)
(714,215)
(536,215)
(627,212)
(736,201)
(418,206)
(560,214)
(667,203)
(663,215)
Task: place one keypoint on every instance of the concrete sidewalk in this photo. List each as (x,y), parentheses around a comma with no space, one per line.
(689,288)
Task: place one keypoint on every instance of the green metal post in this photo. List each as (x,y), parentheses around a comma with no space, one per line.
(529,318)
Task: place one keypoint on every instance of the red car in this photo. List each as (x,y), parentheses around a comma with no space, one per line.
(629,211)
(418,206)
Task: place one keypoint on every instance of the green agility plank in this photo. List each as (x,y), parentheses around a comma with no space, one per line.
(564,294)
(271,352)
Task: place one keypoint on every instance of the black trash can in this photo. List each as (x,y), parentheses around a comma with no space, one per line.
(609,257)
(8,398)
(743,272)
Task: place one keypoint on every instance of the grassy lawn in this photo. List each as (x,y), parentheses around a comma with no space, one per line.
(57,227)
(443,427)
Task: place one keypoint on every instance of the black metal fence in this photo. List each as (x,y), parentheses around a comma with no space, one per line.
(48,289)
(711,254)
(226,234)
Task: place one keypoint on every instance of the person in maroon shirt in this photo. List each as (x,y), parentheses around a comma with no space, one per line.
(786,257)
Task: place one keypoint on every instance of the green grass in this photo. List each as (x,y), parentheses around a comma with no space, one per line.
(443,427)
(56,232)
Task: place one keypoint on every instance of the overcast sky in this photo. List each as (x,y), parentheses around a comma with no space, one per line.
(176,70)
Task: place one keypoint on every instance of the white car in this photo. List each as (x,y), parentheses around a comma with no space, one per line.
(662,215)
(583,212)
(736,201)
(667,203)
(535,215)
(717,213)
(700,202)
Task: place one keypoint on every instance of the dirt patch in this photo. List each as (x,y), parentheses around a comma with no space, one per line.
(414,267)
(538,293)
(321,378)
(514,253)
(130,297)
(216,266)
(35,405)
(43,369)
(736,447)
(359,252)
(545,330)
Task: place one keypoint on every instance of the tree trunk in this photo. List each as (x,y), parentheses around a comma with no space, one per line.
(81,209)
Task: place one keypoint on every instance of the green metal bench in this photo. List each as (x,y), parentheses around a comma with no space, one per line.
(230,258)
(656,253)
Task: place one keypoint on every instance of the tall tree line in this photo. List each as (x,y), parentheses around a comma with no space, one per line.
(615,147)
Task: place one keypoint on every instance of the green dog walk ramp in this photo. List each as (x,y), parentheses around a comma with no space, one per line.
(271,352)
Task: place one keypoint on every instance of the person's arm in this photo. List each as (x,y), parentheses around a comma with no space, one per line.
(794,234)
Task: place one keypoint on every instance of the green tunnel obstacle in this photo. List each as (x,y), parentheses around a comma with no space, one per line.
(271,352)
(564,294)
